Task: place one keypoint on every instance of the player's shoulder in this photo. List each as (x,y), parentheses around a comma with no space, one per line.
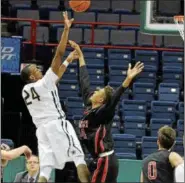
(28,86)
(150,156)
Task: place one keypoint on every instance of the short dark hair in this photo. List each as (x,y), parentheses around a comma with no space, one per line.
(166,137)
(25,74)
(108,93)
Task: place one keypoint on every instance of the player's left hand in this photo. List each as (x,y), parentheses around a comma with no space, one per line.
(67,22)
(72,56)
(131,73)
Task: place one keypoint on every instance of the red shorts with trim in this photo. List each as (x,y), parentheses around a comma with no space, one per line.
(104,169)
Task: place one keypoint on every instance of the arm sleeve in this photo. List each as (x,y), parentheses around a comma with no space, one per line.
(50,78)
(109,109)
(84,84)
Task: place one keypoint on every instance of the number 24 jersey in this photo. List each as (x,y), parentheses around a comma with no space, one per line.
(42,100)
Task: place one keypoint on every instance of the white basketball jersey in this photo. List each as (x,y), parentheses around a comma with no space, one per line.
(42,100)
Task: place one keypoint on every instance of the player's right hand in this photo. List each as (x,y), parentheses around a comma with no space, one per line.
(67,22)
(76,47)
(27,152)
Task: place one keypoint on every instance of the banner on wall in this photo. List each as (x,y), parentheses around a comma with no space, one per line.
(10,54)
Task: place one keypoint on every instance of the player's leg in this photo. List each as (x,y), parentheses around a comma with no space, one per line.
(45,155)
(113,167)
(77,154)
(106,170)
(100,173)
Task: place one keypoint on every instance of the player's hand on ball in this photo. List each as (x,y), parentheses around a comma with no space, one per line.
(67,22)
(72,56)
(131,73)
(76,47)
(27,152)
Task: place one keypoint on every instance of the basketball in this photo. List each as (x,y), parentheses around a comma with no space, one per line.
(79,6)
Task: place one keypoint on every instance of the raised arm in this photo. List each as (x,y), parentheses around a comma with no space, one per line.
(56,65)
(175,159)
(15,153)
(84,76)
(109,108)
(131,74)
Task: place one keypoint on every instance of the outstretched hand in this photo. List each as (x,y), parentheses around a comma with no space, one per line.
(27,152)
(67,22)
(72,56)
(137,69)
(76,47)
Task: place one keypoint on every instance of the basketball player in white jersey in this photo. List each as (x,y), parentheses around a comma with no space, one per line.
(57,140)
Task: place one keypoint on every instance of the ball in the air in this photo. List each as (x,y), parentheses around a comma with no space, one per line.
(79,6)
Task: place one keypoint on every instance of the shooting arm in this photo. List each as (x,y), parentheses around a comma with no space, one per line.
(56,62)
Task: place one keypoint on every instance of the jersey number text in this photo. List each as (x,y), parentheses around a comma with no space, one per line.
(34,95)
(152,170)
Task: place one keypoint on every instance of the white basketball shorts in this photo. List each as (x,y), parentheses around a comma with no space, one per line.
(58,144)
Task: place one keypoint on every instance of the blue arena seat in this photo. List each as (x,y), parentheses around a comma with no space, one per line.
(173,75)
(91,61)
(27,14)
(96,72)
(117,73)
(180,128)
(149,145)
(124,143)
(181,110)
(163,110)
(55,15)
(155,124)
(122,7)
(75,34)
(68,88)
(134,108)
(96,85)
(174,41)
(169,92)
(173,59)
(71,73)
(101,36)
(143,91)
(126,156)
(75,106)
(131,19)
(107,18)
(84,17)
(119,57)
(149,58)
(147,40)
(100,6)
(148,75)
(123,37)
(135,125)
(116,125)
(93,53)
